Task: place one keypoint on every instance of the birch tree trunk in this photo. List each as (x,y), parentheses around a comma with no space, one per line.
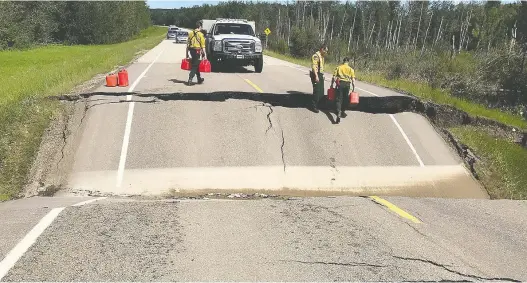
(326,25)
(399,32)
(342,24)
(332,25)
(379,35)
(303,14)
(289,32)
(371,33)
(351,30)
(426,33)
(419,26)
(386,42)
(438,33)
(278,25)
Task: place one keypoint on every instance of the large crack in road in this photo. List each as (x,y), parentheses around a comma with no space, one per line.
(270,107)
(445,267)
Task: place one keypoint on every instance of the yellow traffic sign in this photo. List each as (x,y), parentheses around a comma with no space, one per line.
(267,31)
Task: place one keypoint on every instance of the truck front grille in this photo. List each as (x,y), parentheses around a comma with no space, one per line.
(238,46)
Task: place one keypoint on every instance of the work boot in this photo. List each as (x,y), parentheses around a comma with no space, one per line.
(314,107)
(343,114)
(201,80)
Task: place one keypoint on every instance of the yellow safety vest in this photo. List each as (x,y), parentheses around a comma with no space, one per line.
(344,73)
(196,39)
(317,62)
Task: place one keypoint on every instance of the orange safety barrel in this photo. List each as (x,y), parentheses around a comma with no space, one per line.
(354,98)
(123,77)
(204,66)
(331,94)
(111,80)
(185,64)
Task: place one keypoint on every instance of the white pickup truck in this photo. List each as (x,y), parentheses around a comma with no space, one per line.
(233,41)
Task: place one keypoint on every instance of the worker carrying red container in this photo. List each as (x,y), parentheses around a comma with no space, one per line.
(196,48)
(343,75)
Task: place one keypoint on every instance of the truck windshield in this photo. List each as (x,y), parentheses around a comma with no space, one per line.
(233,29)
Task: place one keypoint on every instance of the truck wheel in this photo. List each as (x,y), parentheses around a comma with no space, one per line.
(258,65)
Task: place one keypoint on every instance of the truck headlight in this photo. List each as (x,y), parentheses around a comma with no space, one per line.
(216,46)
(258,47)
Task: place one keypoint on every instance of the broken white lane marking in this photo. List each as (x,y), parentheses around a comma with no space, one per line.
(20,249)
(88,201)
(128,127)
(412,148)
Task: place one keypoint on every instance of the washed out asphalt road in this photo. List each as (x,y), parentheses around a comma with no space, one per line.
(246,132)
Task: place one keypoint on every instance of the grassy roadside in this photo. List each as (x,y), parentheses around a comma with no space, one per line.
(28,76)
(503,168)
(503,162)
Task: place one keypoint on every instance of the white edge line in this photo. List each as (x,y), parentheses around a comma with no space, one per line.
(412,148)
(128,127)
(407,140)
(88,201)
(20,249)
(124,148)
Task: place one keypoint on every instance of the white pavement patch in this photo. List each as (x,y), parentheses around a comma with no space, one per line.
(316,179)
(128,127)
(18,251)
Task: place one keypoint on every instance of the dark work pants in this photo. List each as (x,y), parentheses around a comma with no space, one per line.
(194,62)
(342,100)
(318,88)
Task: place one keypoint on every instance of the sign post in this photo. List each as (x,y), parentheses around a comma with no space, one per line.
(267,32)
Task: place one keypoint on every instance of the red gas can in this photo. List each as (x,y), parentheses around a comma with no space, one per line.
(204,66)
(331,94)
(111,80)
(354,98)
(123,77)
(185,64)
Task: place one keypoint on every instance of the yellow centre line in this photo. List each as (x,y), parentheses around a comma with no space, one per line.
(395,209)
(254,85)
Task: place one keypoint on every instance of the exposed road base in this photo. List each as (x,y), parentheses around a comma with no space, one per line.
(428,181)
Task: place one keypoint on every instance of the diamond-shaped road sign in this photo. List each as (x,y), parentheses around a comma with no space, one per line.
(267,31)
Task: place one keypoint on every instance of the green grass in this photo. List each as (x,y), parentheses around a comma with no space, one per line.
(502,169)
(28,76)
(422,91)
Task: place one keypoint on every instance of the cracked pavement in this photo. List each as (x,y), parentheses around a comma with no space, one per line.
(298,239)
(226,137)
(178,133)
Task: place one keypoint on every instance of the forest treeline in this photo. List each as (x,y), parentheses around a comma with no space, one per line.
(29,23)
(476,50)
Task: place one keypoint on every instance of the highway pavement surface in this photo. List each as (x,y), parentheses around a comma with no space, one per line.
(246,131)
(316,216)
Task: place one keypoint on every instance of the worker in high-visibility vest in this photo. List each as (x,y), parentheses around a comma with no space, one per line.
(317,75)
(344,75)
(196,48)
